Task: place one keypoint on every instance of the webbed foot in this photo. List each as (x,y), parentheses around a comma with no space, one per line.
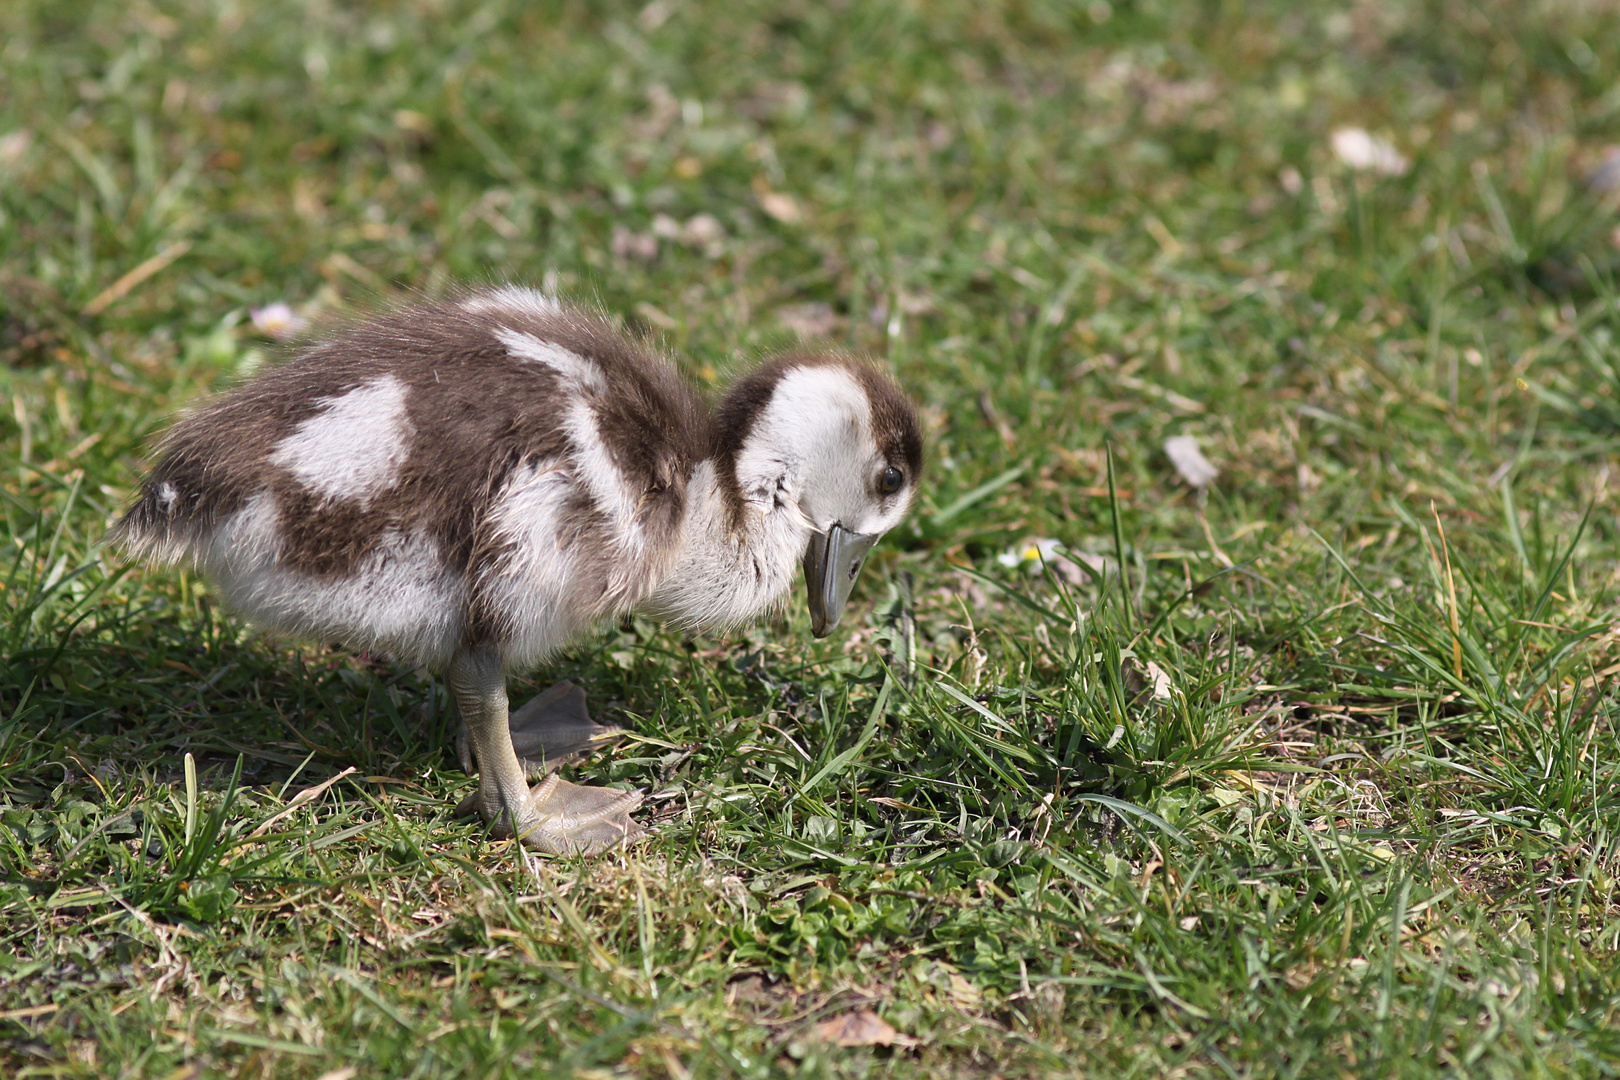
(554,816)
(573,820)
(552,728)
(563,818)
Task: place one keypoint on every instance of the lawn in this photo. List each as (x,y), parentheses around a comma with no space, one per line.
(1113,770)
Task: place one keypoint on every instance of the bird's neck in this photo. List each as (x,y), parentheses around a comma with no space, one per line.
(731,567)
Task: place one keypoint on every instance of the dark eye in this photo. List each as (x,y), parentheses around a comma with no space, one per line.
(890,481)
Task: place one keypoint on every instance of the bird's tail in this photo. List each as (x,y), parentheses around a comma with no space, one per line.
(160,526)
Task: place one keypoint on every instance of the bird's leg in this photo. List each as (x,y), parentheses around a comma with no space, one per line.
(556,817)
(479,686)
(551,728)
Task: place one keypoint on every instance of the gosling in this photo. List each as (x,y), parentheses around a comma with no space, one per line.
(474,484)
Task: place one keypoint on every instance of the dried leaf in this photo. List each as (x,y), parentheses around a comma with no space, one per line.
(1366,152)
(784,208)
(1190,461)
(702,229)
(1160,679)
(812,320)
(634,245)
(963,993)
(13,146)
(861,1028)
(1606,177)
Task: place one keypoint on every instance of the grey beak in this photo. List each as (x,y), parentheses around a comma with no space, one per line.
(832,562)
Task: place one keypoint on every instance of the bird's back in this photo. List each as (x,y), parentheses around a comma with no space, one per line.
(493,470)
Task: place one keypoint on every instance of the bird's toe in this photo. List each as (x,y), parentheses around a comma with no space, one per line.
(573,820)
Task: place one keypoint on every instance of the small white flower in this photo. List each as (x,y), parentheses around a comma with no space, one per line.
(1040,554)
(277,320)
(1365,152)
(1031,553)
(1189,460)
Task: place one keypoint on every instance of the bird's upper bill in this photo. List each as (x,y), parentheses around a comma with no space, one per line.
(832,562)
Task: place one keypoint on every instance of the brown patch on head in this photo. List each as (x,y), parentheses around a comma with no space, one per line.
(894,419)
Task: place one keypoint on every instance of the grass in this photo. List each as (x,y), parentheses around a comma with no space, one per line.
(1311,773)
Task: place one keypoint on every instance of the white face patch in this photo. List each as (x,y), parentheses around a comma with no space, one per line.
(721,580)
(516,299)
(353,447)
(813,448)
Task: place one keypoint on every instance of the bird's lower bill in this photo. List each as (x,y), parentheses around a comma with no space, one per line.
(832,562)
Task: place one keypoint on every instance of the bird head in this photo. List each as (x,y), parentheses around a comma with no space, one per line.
(832,444)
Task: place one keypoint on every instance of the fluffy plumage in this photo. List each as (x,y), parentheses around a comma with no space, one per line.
(476,483)
(494,471)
